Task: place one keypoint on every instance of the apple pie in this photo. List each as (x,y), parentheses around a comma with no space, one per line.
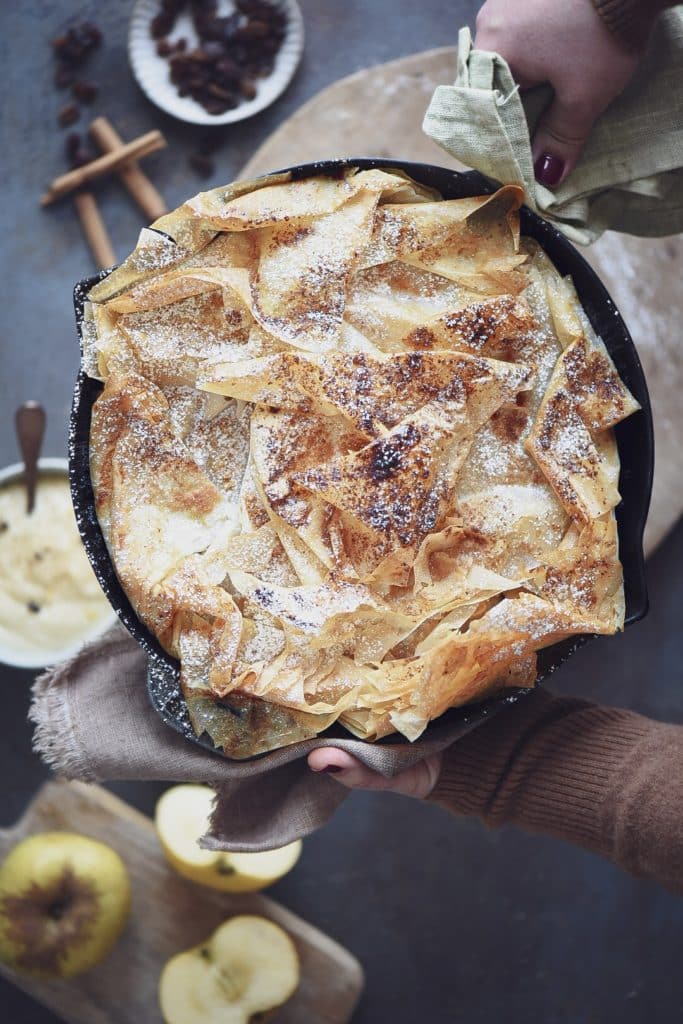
(353,457)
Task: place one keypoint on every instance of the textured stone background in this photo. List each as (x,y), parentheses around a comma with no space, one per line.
(452,923)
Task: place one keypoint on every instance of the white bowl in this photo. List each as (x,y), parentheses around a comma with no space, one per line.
(47,467)
(153,74)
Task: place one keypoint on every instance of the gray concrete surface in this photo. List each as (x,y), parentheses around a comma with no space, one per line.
(452,922)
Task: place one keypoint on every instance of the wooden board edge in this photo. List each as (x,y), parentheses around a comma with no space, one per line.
(109,802)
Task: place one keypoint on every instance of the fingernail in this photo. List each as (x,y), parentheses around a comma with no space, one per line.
(548,169)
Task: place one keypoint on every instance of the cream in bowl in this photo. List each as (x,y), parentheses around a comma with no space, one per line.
(50,600)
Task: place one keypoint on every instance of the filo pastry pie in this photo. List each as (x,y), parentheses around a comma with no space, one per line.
(353,458)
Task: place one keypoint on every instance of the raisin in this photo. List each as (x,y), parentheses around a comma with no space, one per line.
(72,144)
(213,50)
(4,526)
(209,143)
(81,157)
(33,607)
(251,31)
(215,107)
(68,114)
(201,164)
(164,48)
(227,70)
(74,46)
(161,25)
(270,45)
(89,34)
(248,88)
(219,92)
(85,91)
(199,55)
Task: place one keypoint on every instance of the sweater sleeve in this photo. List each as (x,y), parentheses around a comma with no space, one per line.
(631,20)
(602,778)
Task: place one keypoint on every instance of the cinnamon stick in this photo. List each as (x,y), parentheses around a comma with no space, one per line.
(135,180)
(94,229)
(139,147)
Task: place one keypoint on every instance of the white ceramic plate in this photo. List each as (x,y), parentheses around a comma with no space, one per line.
(153,74)
(39,659)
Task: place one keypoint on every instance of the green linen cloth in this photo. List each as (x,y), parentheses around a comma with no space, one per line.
(630,176)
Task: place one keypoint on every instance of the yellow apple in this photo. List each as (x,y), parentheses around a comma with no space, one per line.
(64,900)
(182,817)
(248,967)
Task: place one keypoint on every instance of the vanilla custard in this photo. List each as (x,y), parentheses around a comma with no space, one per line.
(49,596)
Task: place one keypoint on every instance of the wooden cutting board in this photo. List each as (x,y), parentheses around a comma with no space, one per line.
(378,112)
(168,915)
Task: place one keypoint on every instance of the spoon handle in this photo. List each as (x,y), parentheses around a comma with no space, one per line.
(29,421)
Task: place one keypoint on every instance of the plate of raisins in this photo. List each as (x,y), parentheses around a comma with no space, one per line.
(214,61)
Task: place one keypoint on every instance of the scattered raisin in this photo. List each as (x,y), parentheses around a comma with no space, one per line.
(81,157)
(164,48)
(202,164)
(85,91)
(90,35)
(74,46)
(72,143)
(4,526)
(77,153)
(33,607)
(210,143)
(68,114)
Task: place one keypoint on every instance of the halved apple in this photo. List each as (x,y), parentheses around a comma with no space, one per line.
(249,966)
(182,817)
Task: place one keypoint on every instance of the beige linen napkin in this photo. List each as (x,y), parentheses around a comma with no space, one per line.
(94,722)
(630,176)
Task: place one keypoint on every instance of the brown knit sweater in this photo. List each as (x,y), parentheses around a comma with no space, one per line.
(605,779)
(631,20)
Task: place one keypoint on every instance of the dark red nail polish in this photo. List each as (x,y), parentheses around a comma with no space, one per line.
(332,768)
(548,169)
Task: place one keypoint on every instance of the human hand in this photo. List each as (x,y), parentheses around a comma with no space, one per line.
(568,45)
(417,781)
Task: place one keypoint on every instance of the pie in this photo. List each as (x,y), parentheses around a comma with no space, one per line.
(353,458)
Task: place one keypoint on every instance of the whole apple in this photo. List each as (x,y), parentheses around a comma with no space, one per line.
(64,900)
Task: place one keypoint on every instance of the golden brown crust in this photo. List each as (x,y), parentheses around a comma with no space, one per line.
(353,458)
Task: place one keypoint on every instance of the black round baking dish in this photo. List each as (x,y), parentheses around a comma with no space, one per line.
(634,440)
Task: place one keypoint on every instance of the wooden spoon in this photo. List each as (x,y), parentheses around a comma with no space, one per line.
(29,421)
